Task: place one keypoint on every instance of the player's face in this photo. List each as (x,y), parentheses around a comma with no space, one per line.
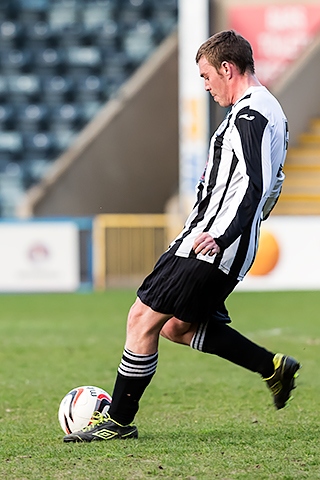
(215,82)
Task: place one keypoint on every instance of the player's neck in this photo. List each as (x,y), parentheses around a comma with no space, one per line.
(244,82)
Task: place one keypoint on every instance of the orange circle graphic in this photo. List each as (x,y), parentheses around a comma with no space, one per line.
(267,255)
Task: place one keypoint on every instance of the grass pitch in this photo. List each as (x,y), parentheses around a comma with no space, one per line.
(201,417)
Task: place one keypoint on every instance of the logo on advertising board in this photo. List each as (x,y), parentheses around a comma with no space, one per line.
(38,253)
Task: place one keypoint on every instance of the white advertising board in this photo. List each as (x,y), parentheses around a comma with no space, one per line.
(288,257)
(39,257)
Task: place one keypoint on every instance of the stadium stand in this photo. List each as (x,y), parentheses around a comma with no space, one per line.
(60,62)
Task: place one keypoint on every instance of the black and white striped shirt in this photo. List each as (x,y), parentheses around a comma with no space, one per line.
(241,182)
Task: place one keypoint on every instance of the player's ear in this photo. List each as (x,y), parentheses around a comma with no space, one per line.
(226,69)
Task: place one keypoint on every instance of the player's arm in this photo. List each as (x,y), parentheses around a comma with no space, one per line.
(274,194)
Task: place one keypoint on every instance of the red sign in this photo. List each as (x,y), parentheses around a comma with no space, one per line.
(278,34)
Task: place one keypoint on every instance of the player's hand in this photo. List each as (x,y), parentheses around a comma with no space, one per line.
(204,244)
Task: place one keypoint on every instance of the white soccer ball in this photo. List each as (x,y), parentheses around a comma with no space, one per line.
(78,405)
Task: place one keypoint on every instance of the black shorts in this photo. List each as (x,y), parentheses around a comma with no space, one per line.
(189,289)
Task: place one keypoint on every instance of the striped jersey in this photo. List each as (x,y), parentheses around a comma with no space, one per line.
(241,182)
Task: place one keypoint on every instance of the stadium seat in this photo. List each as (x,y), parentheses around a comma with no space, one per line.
(83,59)
(11,142)
(16,61)
(3,88)
(89,110)
(66,116)
(106,35)
(57,88)
(48,61)
(60,16)
(23,88)
(4,161)
(38,35)
(138,42)
(5,9)
(63,139)
(10,34)
(94,16)
(32,117)
(7,117)
(72,34)
(39,144)
(34,170)
(90,88)
(32,5)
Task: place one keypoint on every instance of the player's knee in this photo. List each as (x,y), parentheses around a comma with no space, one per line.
(143,320)
(175,330)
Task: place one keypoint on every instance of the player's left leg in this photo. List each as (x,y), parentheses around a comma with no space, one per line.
(137,367)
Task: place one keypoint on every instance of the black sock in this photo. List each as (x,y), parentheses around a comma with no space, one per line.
(134,375)
(222,340)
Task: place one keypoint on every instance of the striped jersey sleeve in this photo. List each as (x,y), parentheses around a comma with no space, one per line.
(241,182)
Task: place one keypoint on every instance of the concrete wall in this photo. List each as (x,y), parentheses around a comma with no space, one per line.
(297,91)
(126,159)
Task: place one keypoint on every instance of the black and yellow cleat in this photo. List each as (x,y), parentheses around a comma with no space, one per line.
(102,428)
(281,383)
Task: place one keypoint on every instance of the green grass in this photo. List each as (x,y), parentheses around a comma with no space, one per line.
(201,417)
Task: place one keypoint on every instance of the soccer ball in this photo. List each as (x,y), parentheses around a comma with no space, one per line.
(78,405)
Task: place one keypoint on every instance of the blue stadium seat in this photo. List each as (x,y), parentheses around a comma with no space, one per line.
(83,59)
(11,189)
(57,88)
(164,17)
(10,33)
(7,117)
(38,35)
(4,89)
(39,144)
(48,61)
(5,9)
(60,16)
(66,116)
(89,109)
(170,6)
(11,142)
(63,139)
(16,61)
(106,35)
(32,117)
(90,88)
(72,34)
(5,159)
(23,88)
(34,169)
(93,16)
(138,42)
(33,5)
